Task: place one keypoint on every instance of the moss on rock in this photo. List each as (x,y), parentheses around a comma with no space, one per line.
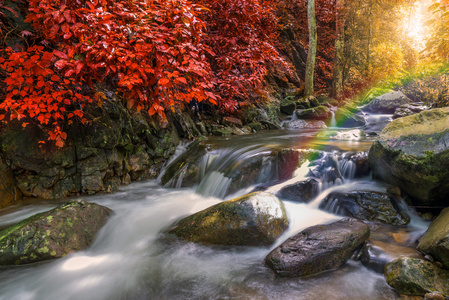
(53,234)
(254,219)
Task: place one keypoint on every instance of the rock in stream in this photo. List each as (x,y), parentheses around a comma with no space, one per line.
(318,248)
(68,228)
(254,219)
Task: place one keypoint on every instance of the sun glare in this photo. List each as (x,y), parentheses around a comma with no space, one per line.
(414,26)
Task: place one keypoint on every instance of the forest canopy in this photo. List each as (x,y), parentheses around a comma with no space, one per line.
(160,56)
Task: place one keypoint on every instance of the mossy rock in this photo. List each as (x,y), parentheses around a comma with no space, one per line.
(68,228)
(366,205)
(288,106)
(254,219)
(316,113)
(436,239)
(412,153)
(414,276)
(255,126)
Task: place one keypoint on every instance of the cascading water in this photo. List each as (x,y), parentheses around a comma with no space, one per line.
(333,123)
(133,258)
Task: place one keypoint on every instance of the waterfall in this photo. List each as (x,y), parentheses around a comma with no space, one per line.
(333,120)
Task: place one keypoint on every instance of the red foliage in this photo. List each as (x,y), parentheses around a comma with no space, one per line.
(158,54)
(153,48)
(36,90)
(242,34)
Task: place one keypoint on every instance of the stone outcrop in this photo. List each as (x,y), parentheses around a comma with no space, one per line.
(118,147)
(412,154)
(53,234)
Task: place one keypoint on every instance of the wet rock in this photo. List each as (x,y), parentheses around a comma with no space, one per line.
(185,166)
(303,191)
(288,106)
(375,255)
(387,103)
(366,205)
(436,239)
(68,228)
(316,113)
(362,167)
(288,160)
(255,219)
(346,118)
(412,154)
(408,110)
(413,276)
(318,248)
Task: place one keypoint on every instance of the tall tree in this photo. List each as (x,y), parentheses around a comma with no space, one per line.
(337,81)
(311,56)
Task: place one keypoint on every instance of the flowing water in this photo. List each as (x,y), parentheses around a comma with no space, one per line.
(133,258)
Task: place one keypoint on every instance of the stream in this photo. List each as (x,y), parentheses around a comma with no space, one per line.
(133,258)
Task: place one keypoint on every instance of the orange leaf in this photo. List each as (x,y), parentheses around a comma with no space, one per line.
(163,81)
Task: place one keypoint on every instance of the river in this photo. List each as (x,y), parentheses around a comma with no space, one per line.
(133,258)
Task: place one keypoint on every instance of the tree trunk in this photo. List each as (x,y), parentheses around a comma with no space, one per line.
(311,56)
(339,63)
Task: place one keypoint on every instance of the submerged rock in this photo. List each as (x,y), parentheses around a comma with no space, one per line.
(412,154)
(68,228)
(365,205)
(375,255)
(254,219)
(387,103)
(303,191)
(436,239)
(413,276)
(318,248)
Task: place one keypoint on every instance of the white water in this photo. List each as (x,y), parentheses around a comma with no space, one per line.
(129,260)
(132,257)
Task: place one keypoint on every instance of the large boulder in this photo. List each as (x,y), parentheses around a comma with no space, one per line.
(315,113)
(412,153)
(254,219)
(318,248)
(366,205)
(436,239)
(414,276)
(387,103)
(53,234)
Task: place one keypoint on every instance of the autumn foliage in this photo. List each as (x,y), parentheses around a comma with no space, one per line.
(159,56)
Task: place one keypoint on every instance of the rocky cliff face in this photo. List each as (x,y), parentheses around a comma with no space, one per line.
(118,147)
